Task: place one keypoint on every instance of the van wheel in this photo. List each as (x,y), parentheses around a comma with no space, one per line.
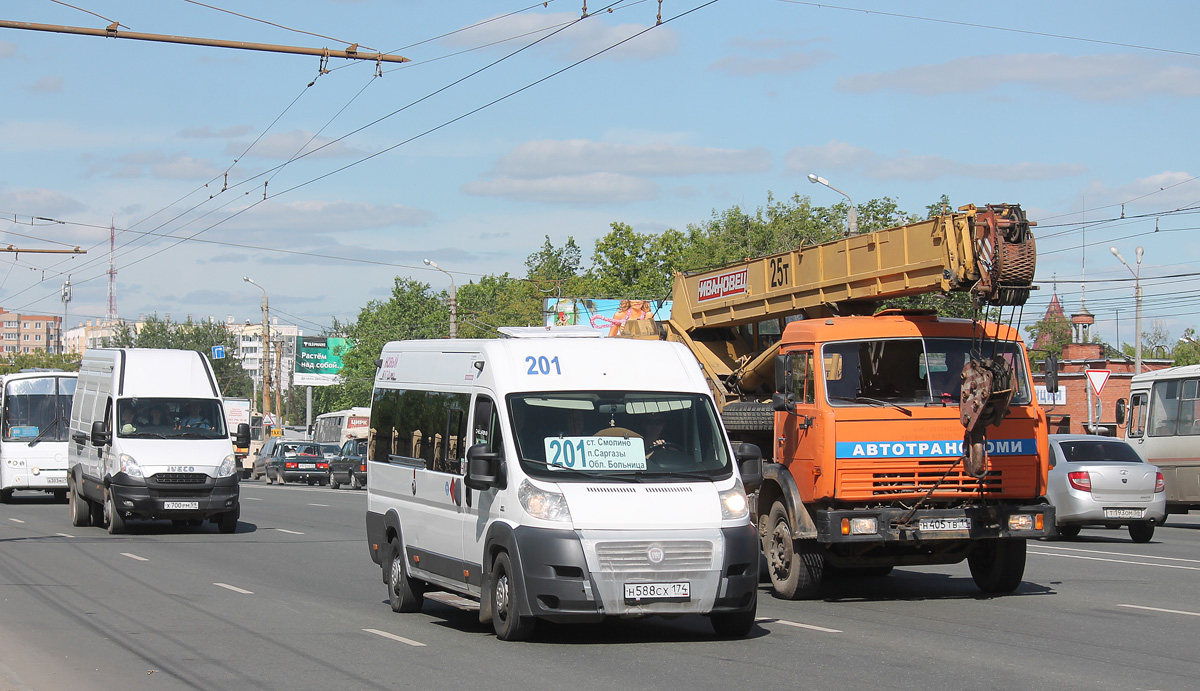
(227,523)
(5,496)
(1141,531)
(405,594)
(998,564)
(510,624)
(735,624)
(96,509)
(81,516)
(333,483)
(116,522)
(796,567)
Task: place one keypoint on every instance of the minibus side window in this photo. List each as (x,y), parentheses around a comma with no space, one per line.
(1137,415)
(1164,407)
(1187,408)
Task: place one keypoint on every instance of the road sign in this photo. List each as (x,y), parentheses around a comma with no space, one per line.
(218,352)
(1097,378)
(268,419)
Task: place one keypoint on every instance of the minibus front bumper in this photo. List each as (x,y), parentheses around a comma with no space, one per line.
(177,496)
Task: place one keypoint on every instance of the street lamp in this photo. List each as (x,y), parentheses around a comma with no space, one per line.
(266,349)
(453,299)
(852,215)
(1137,298)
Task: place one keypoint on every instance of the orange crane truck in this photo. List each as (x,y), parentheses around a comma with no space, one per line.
(889,439)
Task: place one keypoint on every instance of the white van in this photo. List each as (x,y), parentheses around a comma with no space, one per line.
(148,440)
(523,473)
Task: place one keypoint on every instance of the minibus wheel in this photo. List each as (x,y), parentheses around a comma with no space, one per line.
(508,622)
(404,594)
(116,522)
(735,624)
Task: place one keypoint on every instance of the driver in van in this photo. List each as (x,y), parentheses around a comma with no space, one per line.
(193,418)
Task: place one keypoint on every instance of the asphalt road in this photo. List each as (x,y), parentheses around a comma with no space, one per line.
(293,601)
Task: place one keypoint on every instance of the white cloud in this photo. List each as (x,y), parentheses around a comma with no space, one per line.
(788,63)
(156,164)
(592,188)
(7,50)
(46,85)
(547,158)
(574,42)
(207,132)
(320,217)
(38,202)
(285,145)
(1086,77)
(843,157)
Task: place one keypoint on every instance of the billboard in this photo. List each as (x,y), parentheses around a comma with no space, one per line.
(319,360)
(604,315)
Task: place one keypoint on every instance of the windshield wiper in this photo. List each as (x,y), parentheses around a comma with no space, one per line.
(624,475)
(678,474)
(874,401)
(143,435)
(38,438)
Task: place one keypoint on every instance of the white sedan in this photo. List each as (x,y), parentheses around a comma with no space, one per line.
(1101,481)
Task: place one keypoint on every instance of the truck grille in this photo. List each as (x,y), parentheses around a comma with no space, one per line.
(902,478)
(678,555)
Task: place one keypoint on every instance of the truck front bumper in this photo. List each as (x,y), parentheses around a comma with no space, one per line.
(899,525)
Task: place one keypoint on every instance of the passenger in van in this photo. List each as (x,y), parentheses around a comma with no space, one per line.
(193,418)
(128,417)
(155,417)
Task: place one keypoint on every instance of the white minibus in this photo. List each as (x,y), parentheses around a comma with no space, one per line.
(1163,425)
(559,479)
(35,411)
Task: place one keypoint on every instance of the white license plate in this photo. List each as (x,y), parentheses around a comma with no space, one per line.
(936,524)
(1124,513)
(56,480)
(658,591)
(308,466)
(181,505)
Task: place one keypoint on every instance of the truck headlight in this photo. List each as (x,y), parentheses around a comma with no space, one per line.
(543,504)
(130,467)
(733,502)
(228,466)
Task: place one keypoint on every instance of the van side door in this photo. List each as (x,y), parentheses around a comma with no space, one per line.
(486,428)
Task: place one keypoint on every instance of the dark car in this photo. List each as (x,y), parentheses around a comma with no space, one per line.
(262,456)
(350,466)
(297,461)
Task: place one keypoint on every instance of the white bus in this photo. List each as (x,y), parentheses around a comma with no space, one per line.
(35,414)
(340,425)
(1164,426)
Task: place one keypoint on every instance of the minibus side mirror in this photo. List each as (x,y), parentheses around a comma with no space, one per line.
(484,469)
(1120,411)
(750,465)
(100,434)
(242,438)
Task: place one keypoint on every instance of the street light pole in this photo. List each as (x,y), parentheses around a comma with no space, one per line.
(266,349)
(1137,299)
(851,215)
(453,299)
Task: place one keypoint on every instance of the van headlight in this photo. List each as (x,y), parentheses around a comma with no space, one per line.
(228,466)
(543,504)
(734,504)
(130,467)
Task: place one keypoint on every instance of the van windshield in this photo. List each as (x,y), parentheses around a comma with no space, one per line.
(170,418)
(618,436)
(909,371)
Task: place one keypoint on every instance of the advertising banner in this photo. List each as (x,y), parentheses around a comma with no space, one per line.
(606,316)
(319,360)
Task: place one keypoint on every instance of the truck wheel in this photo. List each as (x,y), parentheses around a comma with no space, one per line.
(998,564)
(81,516)
(796,567)
(1141,531)
(735,624)
(228,521)
(508,622)
(1068,532)
(333,483)
(116,522)
(405,594)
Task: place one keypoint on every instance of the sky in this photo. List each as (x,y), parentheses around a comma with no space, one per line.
(516,120)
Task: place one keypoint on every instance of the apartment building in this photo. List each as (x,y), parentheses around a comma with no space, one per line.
(30,333)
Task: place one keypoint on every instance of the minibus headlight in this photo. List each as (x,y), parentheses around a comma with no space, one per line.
(543,504)
(130,467)
(733,502)
(228,466)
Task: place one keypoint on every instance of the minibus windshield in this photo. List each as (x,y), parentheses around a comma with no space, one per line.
(909,371)
(618,436)
(170,418)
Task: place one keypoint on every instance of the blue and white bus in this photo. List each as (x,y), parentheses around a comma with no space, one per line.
(35,413)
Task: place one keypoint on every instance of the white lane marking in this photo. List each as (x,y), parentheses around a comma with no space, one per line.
(63,535)
(252,498)
(133,556)
(1118,554)
(1160,609)
(234,588)
(289,532)
(394,637)
(1118,561)
(798,625)
(16,520)
(325,505)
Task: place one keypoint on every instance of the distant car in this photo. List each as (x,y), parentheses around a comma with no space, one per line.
(297,461)
(1101,481)
(349,467)
(261,456)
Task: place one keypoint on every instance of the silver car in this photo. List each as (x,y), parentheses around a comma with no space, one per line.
(1101,481)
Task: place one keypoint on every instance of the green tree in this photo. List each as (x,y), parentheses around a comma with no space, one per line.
(199,336)
(626,263)
(1187,352)
(1048,336)
(68,362)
